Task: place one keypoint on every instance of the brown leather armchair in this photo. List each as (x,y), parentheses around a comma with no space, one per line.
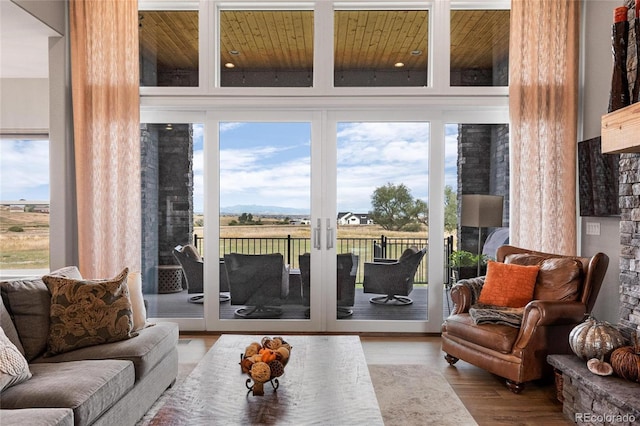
(519,354)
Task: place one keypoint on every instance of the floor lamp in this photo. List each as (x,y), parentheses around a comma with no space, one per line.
(481,211)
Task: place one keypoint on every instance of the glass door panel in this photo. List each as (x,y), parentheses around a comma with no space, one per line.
(172,220)
(264,235)
(382,220)
(476,163)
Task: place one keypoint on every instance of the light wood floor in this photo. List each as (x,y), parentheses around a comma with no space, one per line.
(484,395)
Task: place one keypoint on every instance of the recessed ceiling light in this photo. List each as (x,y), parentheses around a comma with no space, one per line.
(399,64)
(416,52)
(234,52)
(229,65)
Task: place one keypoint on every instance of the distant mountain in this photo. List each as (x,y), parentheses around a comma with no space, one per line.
(263,210)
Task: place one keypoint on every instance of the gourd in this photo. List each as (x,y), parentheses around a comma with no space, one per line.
(595,339)
(626,361)
(599,367)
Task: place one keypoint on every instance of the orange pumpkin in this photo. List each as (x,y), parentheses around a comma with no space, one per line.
(267,355)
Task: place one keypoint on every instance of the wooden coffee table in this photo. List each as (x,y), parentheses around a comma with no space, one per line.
(325,382)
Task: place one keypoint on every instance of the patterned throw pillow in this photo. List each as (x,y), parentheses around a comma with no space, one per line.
(13,367)
(88,312)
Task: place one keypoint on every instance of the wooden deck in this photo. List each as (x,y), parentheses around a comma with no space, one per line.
(176,305)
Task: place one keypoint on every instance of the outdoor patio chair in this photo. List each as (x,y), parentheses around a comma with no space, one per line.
(391,277)
(258,281)
(193,267)
(346,272)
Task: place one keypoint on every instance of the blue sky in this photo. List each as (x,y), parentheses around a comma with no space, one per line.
(24,169)
(269,163)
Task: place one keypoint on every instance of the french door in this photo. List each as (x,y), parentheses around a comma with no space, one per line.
(300,184)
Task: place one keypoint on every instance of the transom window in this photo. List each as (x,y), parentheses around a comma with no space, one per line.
(323,45)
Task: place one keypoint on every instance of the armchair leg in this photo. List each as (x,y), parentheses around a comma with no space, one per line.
(515,387)
(451,359)
(391,300)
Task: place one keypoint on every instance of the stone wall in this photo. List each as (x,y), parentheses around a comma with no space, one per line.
(167,195)
(149,205)
(175,191)
(630,242)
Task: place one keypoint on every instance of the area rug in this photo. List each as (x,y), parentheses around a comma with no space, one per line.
(416,395)
(407,395)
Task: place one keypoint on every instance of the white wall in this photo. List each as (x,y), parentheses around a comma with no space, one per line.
(598,64)
(51,12)
(24,105)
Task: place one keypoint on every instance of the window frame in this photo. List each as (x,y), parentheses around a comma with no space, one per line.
(438,81)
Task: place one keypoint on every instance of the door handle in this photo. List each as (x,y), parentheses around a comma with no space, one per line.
(316,235)
(329,235)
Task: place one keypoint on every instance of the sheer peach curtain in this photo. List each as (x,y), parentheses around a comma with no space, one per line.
(543,100)
(105,92)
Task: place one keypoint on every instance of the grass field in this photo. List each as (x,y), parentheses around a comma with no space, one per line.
(29,249)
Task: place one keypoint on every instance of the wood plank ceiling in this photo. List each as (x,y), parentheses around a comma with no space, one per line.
(364,40)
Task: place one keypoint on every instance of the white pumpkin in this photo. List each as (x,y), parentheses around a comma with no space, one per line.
(595,339)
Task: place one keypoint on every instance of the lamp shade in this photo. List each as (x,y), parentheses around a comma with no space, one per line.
(481,211)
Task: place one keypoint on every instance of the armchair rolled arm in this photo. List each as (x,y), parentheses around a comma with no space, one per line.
(556,312)
(540,313)
(465,293)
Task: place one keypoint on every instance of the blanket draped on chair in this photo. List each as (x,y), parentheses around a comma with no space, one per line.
(489,314)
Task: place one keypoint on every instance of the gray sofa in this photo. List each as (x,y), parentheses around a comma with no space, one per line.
(107,384)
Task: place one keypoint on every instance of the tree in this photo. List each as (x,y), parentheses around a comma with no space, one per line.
(450,209)
(245,218)
(395,209)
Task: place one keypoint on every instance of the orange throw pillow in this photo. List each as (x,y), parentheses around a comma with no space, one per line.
(508,284)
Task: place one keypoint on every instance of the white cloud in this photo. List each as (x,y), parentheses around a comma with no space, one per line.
(24,169)
(224,127)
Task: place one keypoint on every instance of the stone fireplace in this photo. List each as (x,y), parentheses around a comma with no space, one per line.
(630,243)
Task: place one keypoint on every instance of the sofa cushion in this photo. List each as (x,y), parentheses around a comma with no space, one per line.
(560,278)
(493,336)
(145,350)
(88,312)
(89,388)
(28,302)
(13,367)
(37,417)
(6,323)
(508,284)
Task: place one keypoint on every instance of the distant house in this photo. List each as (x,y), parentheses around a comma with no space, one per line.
(299,222)
(349,218)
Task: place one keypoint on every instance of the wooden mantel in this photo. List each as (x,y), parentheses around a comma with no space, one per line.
(621,130)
